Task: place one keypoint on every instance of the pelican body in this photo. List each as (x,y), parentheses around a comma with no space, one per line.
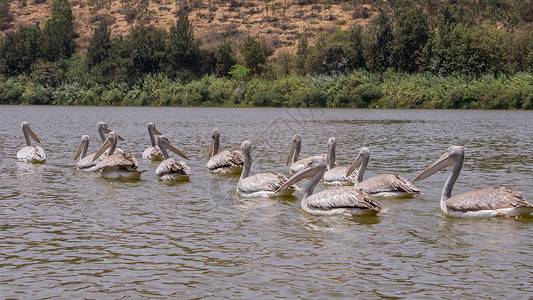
(224,162)
(294,164)
(482,203)
(385,185)
(336,175)
(153,153)
(261,184)
(30,153)
(85,162)
(170,169)
(340,200)
(117,165)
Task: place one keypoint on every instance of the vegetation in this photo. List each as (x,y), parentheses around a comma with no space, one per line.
(403,58)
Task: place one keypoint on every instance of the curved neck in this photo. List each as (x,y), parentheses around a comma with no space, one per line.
(216,143)
(310,187)
(296,152)
(247,165)
(152,137)
(84,149)
(102,134)
(448,186)
(112,146)
(163,150)
(26,136)
(362,169)
(331,157)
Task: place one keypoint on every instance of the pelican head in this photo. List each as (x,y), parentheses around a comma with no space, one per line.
(110,142)
(82,148)
(152,129)
(164,143)
(215,137)
(103,129)
(246,148)
(452,155)
(295,148)
(317,165)
(363,157)
(27,131)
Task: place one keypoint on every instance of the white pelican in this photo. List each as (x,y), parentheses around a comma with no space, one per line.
(225,162)
(153,152)
(340,200)
(336,175)
(117,165)
(170,169)
(86,162)
(103,131)
(384,185)
(262,184)
(487,202)
(29,153)
(292,159)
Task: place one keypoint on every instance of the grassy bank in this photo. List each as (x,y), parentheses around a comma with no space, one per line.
(359,90)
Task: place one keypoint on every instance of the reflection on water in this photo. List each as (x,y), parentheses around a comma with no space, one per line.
(66,233)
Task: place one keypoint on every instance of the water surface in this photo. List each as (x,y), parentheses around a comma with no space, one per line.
(71,234)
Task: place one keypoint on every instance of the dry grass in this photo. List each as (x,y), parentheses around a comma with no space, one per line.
(280,25)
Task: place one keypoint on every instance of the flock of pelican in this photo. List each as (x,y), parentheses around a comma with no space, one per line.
(349,194)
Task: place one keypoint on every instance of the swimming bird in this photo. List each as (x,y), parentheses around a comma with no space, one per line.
(170,169)
(117,165)
(336,175)
(339,200)
(153,152)
(86,162)
(292,159)
(261,184)
(384,185)
(487,202)
(225,162)
(30,153)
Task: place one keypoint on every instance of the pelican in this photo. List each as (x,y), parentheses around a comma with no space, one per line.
(117,165)
(86,162)
(340,200)
(487,202)
(336,175)
(225,162)
(153,152)
(170,169)
(294,153)
(29,153)
(262,184)
(103,131)
(384,185)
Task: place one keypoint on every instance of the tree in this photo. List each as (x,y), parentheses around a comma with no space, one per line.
(99,45)
(410,37)
(19,49)
(183,52)
(225,57)
(58,33)
(255,54)
(302,51)
(381,48)
(137,10)
(5,14)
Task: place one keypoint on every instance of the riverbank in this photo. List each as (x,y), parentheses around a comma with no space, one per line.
(359,89)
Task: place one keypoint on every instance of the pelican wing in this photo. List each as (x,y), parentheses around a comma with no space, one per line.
(226,159)
(87,161)
(338,174)
(487,199)
(262,182)
(387,183)
(342,197)
(121,159)
(152,152)
(171,166)
(31,154)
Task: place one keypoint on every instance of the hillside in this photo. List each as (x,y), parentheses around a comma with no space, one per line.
(280,25)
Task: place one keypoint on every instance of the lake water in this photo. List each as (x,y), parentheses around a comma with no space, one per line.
(71,234)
